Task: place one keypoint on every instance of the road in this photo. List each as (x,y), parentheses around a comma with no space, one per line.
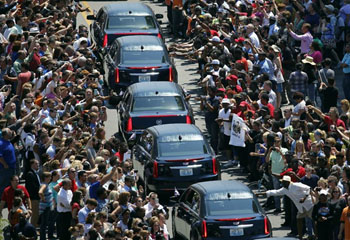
(188,79)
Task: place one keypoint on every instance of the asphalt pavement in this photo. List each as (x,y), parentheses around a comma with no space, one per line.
(187,78)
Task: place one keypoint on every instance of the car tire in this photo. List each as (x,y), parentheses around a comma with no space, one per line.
(175,234)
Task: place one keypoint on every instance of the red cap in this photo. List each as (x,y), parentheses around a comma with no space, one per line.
(238,40)
(232,77)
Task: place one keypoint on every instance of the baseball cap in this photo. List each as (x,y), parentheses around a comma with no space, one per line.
(215,62)
(215,39)
(225,100)
(329,7)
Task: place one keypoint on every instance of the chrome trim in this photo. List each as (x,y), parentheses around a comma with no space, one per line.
(239,226)
(186,167)
(144,74)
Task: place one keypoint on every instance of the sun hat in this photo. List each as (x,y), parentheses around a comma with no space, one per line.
(309,60)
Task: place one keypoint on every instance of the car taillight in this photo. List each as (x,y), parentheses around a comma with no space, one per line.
(159,35)
(215,170)
(155,169)
(204,229)
(266,226)
(117,75)
(170,74)
(105,41)
(188,120)
(129,125)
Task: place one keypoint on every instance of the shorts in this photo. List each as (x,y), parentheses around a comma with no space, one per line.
(279,87)
(305,213)
(224,142)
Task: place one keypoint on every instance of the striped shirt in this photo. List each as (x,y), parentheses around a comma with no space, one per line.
(48,200)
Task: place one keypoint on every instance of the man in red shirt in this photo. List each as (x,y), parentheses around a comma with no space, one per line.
(264,98)
(332,120)
(71,175)
(8,195)
(295,171)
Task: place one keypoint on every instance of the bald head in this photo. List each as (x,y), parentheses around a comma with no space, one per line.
(7,134)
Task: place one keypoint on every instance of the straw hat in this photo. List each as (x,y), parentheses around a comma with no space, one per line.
(309,60)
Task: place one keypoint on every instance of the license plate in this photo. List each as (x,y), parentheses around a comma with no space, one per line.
(186,172)
(236,232)
(144,78)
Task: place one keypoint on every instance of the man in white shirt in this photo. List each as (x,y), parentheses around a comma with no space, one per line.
(224,121)
(252,35)
(64,209)
(153,203)
(300,194)
(272,94)
(300,107)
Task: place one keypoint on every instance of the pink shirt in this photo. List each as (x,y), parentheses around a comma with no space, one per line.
(317,56)
(306,40)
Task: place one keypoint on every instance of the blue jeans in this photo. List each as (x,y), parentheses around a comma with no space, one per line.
(5,179)
(213,131)
(45,223)
(309,226)
(311,92)
(346,85)
(276,185)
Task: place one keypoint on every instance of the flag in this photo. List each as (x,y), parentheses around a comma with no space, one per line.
(176,192)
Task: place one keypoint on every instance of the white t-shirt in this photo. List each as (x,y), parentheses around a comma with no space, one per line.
(272,98)
(238,130)
(226,116)
(299,106)
(50,86)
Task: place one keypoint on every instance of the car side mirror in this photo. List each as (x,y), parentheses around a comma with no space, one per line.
(159,16)
(90,17)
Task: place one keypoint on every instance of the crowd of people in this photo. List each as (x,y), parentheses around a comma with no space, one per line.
(269,72)
(254,58)
(77,182)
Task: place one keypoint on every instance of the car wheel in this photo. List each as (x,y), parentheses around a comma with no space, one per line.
(175,234)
